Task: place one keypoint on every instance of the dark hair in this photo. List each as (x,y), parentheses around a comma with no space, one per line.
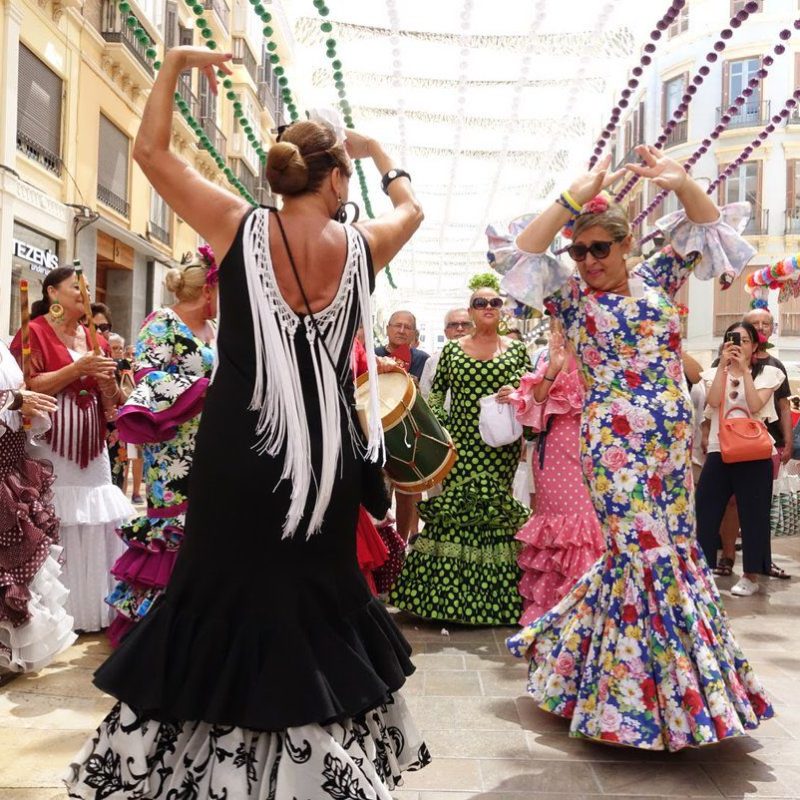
(102,308)
(54,277)
(758,365)
(305,155)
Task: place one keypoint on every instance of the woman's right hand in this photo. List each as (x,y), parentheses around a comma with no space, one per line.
(730,354)
(207,61)
(36,405)
(591,183)
(94,366)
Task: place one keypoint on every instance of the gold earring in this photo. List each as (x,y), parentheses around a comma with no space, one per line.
(56,312)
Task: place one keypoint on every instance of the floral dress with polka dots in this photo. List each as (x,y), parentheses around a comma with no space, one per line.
(462,567)
(640,652)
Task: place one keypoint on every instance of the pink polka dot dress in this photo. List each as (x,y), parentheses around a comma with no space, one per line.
(563,539)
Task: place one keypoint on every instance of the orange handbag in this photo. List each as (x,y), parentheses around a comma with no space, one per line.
(743,438)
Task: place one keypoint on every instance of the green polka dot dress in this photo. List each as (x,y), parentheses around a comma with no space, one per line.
(463,566)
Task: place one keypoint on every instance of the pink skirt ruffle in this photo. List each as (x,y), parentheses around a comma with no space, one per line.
(370,548)
(558,550)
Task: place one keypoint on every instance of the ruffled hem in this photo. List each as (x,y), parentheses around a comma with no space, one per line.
(91,505)
(640,653)
(48,632)
(179,665)
(463,566)
(131,757)
(154,534)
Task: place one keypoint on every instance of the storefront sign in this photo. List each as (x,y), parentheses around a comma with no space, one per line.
(40,260)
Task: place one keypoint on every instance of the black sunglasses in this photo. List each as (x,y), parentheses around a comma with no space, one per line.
(483,302)
(577,252)
(103,327)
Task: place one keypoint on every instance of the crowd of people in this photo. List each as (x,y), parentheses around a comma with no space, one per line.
(251,620)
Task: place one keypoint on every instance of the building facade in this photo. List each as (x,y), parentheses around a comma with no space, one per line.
(770,179)
(75,79)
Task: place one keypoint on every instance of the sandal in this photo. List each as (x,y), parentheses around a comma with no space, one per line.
(724,568)
(776,572)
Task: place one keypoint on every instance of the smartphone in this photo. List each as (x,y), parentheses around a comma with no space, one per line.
(735,337)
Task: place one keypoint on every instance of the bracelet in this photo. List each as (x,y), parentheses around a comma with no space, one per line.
(549,379)
(392,175)
(571,202)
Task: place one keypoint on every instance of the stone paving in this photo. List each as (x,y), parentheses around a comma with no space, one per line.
(488,740)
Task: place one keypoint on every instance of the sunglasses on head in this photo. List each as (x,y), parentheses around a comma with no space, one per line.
(577,252)
(484,302)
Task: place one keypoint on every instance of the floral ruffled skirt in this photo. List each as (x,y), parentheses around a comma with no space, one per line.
(640,653)
(135,758)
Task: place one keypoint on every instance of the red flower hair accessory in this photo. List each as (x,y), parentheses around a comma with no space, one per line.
(597,205)
(207,254)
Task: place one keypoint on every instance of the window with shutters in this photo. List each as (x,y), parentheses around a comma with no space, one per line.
(39,111)
(672,92)
(171,25)
(744,184)
(160,217)
(112,167)
(738,5)
(736,77)
(185,36)
(793,197)
(681,23)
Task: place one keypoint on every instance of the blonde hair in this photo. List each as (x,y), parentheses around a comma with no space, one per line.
(186,282)
(305,155)
(614,221)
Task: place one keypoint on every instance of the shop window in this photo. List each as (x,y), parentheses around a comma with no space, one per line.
(39,111)
(112,168)
(34,255)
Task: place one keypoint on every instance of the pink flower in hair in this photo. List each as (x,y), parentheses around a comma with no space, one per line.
(597,205)
(207,254)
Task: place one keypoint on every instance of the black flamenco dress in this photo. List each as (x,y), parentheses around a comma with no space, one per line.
(267,670)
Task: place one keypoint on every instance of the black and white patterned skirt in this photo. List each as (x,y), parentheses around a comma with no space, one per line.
(136,758)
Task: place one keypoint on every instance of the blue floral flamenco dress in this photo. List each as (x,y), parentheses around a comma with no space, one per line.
(640,652)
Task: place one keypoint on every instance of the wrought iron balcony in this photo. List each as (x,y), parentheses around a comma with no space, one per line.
(221,10)
(792,222)
(245,175)
(115,30)
(242,55)
(157,231)
(190,98)
(678,135)
(38,153)
(108,198)
(753,114)
(216,136)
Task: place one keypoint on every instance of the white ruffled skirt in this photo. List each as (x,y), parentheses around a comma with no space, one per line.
(135,758)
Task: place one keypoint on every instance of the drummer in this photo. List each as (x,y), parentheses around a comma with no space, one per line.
(401,332)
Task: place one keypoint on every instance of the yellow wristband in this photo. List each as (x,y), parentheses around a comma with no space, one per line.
(571,202)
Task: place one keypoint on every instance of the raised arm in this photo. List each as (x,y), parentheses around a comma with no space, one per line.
(209,209)
(387,234)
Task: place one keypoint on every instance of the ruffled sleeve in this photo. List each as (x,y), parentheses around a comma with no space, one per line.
(166,394)
(709,249)
(527,277)
(565,396)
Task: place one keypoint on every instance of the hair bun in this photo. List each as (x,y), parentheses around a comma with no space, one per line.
(287,171)
(174,280)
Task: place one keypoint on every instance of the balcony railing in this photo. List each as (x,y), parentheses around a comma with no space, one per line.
(115,30)
(221,10)
(792,222)
(157,231)
(248,178)
(678,135)
(753,114)
(759,222)
(216,136)
(189,97)
(242,55)
(108,198)
(36,152)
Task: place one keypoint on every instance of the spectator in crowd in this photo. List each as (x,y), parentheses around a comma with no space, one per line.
(457,323)
(794,402)
(514,333)
(101,316)
(401,332)
(745,386)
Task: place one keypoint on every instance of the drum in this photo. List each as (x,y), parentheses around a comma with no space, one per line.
(419,451)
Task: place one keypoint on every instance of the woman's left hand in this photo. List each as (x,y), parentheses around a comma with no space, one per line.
(504,395)
(743,361)
(662,171)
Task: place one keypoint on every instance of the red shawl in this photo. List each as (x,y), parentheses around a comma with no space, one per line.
(81,438)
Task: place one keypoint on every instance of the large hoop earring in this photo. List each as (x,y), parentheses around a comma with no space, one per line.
(56,312)
(341,214)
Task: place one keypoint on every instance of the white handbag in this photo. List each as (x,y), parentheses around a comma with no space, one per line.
(498,423)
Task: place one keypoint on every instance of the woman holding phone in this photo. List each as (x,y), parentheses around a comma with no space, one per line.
(740,386)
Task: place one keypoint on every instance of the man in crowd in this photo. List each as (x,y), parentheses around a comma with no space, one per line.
(401,332)
(456,324)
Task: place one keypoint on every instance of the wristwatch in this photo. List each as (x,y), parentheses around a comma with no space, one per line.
(391,175)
